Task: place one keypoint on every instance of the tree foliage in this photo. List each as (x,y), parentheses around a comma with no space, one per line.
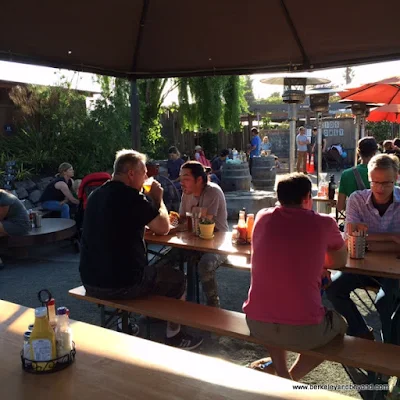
(211,102)
(380,130)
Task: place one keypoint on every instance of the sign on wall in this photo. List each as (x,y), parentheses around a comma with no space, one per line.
(332,128)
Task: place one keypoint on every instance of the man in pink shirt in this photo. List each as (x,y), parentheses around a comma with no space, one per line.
(291,245)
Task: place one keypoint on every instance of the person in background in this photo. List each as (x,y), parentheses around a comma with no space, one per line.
(218,162)
(174,164)
(388,147)
(266,144)
(376,211)
(201,157)
(312,144)
(294,316)
(356,178)
(255,147)
(14,219)
(57,193)
(302,142)
(113,261)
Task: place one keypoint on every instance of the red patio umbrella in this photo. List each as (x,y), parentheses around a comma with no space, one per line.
(386,91)
(388,112)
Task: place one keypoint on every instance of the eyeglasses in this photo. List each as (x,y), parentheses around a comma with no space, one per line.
(385,184)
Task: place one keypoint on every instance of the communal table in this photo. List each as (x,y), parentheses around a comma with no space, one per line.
(220,244)
(114,365)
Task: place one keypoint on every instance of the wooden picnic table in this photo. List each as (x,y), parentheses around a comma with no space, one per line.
(114,365)
(52,230)
(220,244)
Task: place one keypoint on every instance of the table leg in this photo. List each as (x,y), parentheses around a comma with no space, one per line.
(192,286)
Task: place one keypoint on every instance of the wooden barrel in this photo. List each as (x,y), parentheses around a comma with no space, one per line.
(235,177)
(263,173)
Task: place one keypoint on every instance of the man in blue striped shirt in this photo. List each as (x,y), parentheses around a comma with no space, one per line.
(378,211)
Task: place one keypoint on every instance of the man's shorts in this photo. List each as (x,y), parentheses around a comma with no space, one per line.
(301,337)
(161,281)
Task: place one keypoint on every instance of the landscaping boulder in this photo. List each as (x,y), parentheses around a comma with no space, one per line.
(28,205)
(22,193)
(35,196)
(42,184)
(27,184)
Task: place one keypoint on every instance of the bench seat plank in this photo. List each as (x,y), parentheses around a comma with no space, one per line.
(351,351)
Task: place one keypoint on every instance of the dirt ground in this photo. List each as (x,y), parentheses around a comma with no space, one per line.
(55,267)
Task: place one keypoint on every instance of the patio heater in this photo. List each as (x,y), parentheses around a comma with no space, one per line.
(294,92)
(319,103)
(361,111)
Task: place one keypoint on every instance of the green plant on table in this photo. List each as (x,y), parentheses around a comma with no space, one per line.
(207,221)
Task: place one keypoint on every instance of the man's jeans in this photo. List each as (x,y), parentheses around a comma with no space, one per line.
(338,294)
(54,205)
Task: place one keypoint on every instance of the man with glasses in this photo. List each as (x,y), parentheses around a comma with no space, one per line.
(378,211)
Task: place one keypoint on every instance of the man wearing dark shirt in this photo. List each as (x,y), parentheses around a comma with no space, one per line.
(218,162)
(174,164)
(113,262)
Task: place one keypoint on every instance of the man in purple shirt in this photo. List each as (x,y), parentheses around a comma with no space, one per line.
(378,211)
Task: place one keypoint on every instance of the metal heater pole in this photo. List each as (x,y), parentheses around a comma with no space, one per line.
(319,145)
(292,138)
(362,126)
(356,138)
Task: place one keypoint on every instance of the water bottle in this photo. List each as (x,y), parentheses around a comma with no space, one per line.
(332,188)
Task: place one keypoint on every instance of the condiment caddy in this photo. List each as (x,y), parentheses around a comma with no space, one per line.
(48,345)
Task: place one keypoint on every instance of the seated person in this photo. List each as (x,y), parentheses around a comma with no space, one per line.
(378,211)
(58,192)
(388,147)
(14,218)
(174,164)
(201,157)
(284,306)
(266,144)
(218,162)
(113,263)
(199,192)
(356,178)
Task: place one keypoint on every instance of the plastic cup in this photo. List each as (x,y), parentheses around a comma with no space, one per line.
(147,184)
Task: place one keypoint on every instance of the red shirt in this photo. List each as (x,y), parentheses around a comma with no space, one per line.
(288,254)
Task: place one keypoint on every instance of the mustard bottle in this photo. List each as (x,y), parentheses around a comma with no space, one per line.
(42,341)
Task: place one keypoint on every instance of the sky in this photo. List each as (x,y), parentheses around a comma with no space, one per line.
(85,81)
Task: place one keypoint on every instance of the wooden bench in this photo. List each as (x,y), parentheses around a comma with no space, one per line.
(351,351)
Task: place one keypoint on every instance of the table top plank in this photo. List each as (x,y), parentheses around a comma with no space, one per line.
(220,244)
(385,265)
(114,365)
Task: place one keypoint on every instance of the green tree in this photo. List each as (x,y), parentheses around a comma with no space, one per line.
(273,98)
(380,130)
(248,89)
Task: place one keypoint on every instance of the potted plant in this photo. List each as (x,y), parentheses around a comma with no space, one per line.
(207,226)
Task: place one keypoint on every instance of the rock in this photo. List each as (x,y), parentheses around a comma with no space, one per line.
(27,184)
(254,201)
(35,196)
(22,193)
(42,184)
(28,205)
